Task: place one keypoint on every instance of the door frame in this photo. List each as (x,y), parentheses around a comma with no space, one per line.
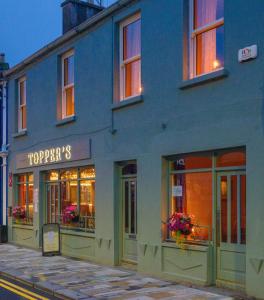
(219,172)
(119,210)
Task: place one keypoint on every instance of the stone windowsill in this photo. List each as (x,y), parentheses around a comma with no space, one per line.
(203,247)
(65,121)
(70,231)
(19,134)
(203,79)
(128,102)
(23,226)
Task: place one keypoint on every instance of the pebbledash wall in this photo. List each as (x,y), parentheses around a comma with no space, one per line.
(221,111)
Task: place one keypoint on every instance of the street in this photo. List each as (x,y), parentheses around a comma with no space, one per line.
(12,290)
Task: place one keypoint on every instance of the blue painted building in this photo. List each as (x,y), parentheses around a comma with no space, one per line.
(136,112)
(3,141)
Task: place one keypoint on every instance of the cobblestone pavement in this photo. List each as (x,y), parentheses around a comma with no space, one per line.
(83,280)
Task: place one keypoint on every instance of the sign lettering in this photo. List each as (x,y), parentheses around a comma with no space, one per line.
(51,155)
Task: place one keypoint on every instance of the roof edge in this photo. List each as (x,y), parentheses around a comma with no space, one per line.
(67,36)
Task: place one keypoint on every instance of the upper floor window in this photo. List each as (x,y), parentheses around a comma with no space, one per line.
(67,107)
(130,57)
(206,36)
(22,104)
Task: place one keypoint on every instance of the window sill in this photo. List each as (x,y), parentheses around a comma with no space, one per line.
(128,102)
(203,79)
(65,121)
(76,232)
(23,226)
(19,134)
(198,246)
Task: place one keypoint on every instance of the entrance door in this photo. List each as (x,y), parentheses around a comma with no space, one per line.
(231,212)
(129,204)
(52,203)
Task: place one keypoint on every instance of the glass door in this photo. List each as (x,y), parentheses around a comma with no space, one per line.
(231,223)
(129,197)
(53,208)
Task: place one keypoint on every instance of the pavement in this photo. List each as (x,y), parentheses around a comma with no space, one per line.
(75,279)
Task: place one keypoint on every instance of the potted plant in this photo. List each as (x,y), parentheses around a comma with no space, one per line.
(19,213)
(181,226)
(70,214)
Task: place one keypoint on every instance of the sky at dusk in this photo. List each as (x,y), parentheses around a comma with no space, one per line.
(28,25)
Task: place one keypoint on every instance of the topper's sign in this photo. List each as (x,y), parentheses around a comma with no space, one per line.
(49,156)
(75,150)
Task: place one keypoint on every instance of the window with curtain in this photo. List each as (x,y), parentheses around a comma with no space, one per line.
(67,85)
(130,58)
(22,104)
(207,36)
(23,206)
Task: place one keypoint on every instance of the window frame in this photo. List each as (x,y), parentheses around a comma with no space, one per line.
(193,33)
(59,182)
(122,62)
(23,106)
(65,87)
(27,182)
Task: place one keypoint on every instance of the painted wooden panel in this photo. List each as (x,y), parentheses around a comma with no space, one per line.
(187,265)
(77,246)
(23,236)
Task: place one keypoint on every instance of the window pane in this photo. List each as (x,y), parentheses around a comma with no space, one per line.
(194,197)
(126,206)
(53,176)
(22,92)
(22,178)
(231,159)
(234,209)
(69,202)
(132,39)
(132,79)
(133,207)
(87,173)
(69,174)
(129,169)
(22,194)
(87,200)
(210,51)
(69,70)
(23,117)
(243,208)
(207,11)
(224,209)
(69,94)
(188,162)
(30,201)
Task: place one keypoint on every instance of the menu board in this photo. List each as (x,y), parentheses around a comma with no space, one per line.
(51,240)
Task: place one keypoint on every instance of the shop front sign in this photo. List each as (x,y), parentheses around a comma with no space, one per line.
(55,154)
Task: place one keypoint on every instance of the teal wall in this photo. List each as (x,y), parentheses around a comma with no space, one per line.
(224,113)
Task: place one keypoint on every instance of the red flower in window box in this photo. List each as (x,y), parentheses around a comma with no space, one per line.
(180,225)
(19,213)
(70,214)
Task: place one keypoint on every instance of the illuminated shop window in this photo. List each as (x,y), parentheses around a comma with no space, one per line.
(22,104)
(68,85)
(23,206)
(130,57)
(71,198)
(206,36)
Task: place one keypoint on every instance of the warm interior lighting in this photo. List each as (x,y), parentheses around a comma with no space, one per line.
(216,64)
(140,89)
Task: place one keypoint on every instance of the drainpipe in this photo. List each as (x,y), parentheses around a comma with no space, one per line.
(3,150)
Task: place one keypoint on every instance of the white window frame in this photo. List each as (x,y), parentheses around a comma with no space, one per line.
(192,39)
(63,87)
(123,63)
(20,107)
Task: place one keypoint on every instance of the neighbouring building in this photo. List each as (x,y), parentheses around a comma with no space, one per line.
(3,142)
(138,111)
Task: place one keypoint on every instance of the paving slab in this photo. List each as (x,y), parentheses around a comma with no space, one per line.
(85,280)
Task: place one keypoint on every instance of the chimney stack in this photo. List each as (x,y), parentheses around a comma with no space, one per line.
(3,65)
(74,12)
